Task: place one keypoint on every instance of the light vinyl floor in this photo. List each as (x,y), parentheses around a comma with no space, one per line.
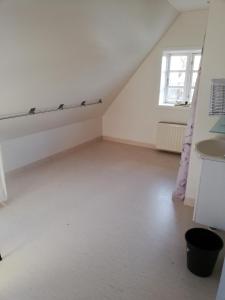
(98,224)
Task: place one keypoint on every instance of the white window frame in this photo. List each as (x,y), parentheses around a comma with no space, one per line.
(188,76)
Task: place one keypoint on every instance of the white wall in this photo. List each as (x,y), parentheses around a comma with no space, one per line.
(55,52)
(22,151)
(213,67)
(63,51)
(183,5)
(134,113)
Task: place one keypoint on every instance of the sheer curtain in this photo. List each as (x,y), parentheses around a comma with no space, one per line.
(181,183)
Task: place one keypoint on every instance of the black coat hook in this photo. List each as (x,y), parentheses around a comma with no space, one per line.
(32,111)
(35,111)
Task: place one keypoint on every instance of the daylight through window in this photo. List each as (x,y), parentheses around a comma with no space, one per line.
(178,76)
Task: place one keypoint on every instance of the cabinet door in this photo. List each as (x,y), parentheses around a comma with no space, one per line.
(210,207)
(221,291)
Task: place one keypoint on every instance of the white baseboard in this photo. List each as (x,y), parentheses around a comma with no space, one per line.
(189,202)
(128,142)
(55,156)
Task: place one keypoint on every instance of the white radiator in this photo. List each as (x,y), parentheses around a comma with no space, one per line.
(170,136)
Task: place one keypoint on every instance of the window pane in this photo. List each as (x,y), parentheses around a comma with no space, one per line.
(194,78)
(175,94)
(178,62)
(176,78)
(197,60)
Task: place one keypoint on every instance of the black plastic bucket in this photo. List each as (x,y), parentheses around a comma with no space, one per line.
(203,247)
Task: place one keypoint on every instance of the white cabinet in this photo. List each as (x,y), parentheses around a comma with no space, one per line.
(221,291)
(210,205)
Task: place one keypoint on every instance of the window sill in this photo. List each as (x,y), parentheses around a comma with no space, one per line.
(172,106)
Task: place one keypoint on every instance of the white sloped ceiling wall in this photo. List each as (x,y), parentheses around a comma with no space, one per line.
(64,51)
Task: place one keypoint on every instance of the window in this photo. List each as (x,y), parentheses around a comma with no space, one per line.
(178,76)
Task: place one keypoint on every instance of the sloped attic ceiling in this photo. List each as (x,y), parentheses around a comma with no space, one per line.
(183,5)
(66,51)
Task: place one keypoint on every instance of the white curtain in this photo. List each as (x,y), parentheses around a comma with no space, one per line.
(181,183)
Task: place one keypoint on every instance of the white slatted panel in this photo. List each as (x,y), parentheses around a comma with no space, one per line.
(170,136)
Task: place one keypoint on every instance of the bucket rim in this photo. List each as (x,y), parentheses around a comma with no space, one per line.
(194,229)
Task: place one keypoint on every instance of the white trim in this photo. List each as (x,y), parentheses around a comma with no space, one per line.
(3,189)
(128,142)
(178,51)
(172,106)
